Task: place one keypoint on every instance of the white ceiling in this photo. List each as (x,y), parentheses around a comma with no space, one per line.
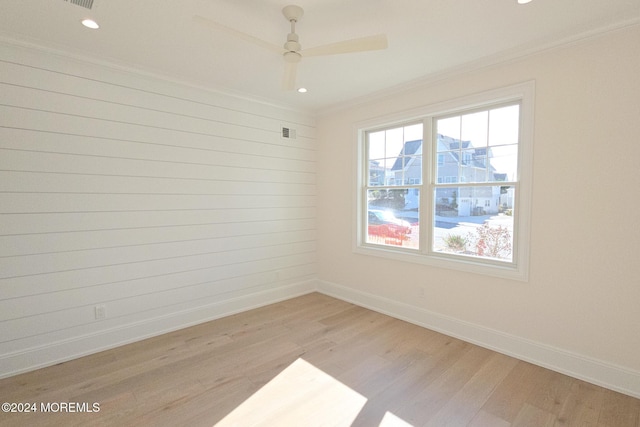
(426,38)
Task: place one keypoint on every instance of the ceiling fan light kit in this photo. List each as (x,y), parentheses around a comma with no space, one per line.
(292,51)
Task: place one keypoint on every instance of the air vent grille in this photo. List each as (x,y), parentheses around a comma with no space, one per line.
(288,133)
(88,4)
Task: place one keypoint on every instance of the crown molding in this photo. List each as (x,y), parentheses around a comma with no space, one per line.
(65,54)
(515,54)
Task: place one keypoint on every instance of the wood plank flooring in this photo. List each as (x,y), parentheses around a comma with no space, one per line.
(311,361)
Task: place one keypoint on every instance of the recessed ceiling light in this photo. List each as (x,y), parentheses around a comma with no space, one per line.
(523,1)
(302,90)
(90,23)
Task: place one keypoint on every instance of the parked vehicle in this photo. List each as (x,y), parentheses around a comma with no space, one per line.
(384,223)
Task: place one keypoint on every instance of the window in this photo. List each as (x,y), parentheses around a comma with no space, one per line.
(450,186)
(397,153)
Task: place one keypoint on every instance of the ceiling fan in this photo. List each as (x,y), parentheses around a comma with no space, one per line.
(292,51)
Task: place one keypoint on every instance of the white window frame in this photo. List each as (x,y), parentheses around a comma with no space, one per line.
(518,269)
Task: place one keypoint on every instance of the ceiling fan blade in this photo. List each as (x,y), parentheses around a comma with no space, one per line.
(243,36)
(289,77)
(376,42)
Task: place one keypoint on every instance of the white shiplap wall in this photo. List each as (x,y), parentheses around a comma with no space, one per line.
(167,204)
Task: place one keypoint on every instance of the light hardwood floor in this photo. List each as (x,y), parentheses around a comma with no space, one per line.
(312,361)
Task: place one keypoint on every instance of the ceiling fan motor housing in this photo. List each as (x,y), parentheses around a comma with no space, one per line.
(292,57)
(292,44)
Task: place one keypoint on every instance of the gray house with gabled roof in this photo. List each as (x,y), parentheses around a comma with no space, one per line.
(457,161)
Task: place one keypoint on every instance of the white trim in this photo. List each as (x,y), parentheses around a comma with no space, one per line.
(605,374)
(115,65)
(519,269)
(592,370)
(518,53)
(73,348)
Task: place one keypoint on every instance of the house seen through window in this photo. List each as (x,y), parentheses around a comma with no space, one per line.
(445,186)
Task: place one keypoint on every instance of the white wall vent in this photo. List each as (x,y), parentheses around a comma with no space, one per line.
(88,4)
(288,133)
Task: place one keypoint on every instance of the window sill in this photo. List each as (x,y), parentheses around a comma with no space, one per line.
(508,271)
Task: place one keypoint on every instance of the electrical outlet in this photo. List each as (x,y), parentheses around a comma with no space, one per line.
(100,311)
(421,291)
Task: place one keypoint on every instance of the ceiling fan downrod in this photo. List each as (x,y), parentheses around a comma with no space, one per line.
(293,14)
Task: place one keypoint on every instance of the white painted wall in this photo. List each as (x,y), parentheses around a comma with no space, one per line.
(168,204)
(579,313)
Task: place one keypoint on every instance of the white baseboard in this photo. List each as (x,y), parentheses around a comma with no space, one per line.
(578,366)
(75,347)
(575,365)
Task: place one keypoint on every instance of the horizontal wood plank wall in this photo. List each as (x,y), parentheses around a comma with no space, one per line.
(149,197)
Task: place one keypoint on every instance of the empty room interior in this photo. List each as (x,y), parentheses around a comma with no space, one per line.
(368,213)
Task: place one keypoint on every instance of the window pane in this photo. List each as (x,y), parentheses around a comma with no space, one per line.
(504,125)
(474,222)
(376,145)
(413,132)
(478,147)
(411,170)
(377,172)
(473,165)
(392,217)
(395,142)
(447,166)
(450,128)
(395,155)
(503,162)
(446,143)
(474,129)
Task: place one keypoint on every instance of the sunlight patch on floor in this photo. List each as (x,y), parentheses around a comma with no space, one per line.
(300,395)
(390,420)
